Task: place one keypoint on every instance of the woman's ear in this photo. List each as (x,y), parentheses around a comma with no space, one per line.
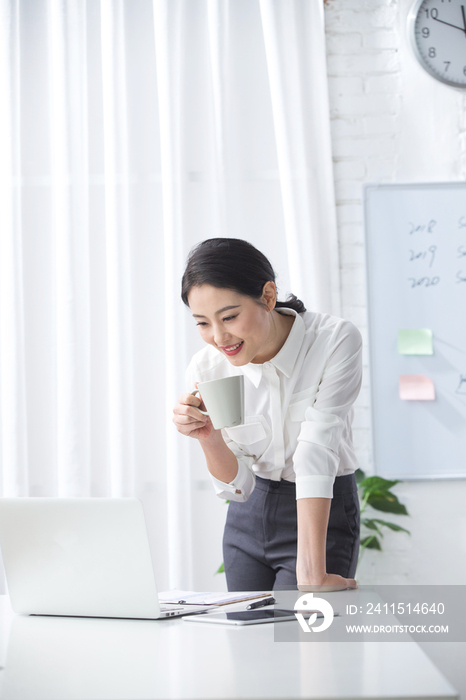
(269,295)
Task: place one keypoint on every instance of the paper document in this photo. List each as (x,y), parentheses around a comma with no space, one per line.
(194,598)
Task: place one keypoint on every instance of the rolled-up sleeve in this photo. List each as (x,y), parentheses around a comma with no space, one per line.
(243,484)
(316,458)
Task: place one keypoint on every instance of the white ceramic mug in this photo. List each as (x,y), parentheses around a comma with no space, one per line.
(224,400)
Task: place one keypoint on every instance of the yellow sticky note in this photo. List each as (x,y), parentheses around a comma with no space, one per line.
(415,341)
(416,387)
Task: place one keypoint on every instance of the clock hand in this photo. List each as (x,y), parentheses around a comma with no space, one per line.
(450,25)
(464,19)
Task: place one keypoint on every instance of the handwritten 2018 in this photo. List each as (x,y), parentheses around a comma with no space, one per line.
(422,228)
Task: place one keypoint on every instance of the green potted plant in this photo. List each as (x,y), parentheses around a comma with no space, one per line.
(375,493)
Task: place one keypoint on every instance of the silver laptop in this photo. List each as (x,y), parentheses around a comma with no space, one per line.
(85,557)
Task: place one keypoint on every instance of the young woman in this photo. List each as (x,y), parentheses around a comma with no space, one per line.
(289,470)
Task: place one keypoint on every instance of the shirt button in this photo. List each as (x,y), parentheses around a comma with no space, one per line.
(268,365)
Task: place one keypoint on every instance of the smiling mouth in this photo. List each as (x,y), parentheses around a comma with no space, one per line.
(232,349)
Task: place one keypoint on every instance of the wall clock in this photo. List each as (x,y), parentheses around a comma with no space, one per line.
(437,30)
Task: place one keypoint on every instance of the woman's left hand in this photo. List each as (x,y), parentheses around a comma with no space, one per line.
(330,582)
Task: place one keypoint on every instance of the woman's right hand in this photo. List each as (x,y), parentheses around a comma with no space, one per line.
(189,421)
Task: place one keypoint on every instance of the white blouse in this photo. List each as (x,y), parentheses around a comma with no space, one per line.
(298,407)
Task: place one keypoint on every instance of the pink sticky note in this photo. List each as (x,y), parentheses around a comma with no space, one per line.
(416,387)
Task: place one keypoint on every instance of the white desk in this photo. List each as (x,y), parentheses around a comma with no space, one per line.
(46,658)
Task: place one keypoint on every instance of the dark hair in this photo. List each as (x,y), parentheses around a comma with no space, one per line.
(230,263)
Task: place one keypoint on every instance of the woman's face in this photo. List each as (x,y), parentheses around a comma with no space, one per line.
(234,323)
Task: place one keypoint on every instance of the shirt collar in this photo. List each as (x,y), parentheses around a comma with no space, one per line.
(285,359)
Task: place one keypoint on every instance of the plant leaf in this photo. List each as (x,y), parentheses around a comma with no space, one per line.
(391,505)
(360,476)
(392,526)
(221,569)
(371,542)
(373,483)
(370,524)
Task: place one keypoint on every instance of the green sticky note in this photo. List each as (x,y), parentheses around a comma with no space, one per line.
(415,341)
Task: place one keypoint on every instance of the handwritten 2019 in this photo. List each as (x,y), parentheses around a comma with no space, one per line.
(422,255)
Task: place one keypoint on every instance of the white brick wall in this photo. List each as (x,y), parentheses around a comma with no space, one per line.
(383,110)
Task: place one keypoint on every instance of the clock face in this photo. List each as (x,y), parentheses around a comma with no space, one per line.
(438,34)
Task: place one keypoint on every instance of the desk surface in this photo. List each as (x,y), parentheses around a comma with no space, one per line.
(51,658)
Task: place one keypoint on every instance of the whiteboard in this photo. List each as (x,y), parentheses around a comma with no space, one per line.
(416,279)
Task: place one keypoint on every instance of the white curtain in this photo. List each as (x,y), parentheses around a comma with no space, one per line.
(129,131)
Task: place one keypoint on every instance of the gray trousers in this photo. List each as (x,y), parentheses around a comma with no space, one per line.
(260,538)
